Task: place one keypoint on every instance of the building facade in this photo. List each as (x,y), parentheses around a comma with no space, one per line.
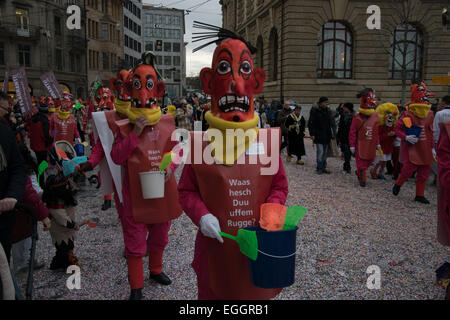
(104,27)
(313,48)
(164,35)
(132,27)
(33,34)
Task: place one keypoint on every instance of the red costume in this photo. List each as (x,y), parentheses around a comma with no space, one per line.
(222,271)
(363,136)
(63,126)
(443,158)
(142,154)
(417,151)
(388,115)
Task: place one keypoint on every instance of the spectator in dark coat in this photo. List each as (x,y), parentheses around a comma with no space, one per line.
(282,115)
(345,122)
(295,124)
(320,125)
(13,178)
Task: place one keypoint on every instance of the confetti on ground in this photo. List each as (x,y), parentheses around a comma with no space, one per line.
(347,229)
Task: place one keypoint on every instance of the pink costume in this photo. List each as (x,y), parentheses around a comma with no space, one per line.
(443,157)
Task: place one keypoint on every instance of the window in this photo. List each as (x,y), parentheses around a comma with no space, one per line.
(139,47)
(260,53)
(58,59)
(176,20)
(22,18)
(167,46)
(159,60)
(24,55)
(126,41)
(167,60)
(79,67)
(167,20)
(158,33)
(335,50)
(149,18)
(105,33)
(2,53)
(273,65)
(125,21)
(158,19)
(168,33)
(176,47)
(148,32)
(105,61)
(176,60)
(149,46)
(168,74)
(57,21)
(177,75)
(176,34)
(72,62)
(406,53)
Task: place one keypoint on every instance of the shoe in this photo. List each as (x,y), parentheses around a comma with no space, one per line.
(396,189)
(106,205)
(319,172)
(136,294)
(373,175)
(58,264)
(300,162)
(349,171)
(326,171)
(161,278)
(289,158)
(362,184)
(381,177)
(421,200)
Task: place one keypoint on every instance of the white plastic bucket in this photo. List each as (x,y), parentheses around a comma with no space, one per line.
(152,184)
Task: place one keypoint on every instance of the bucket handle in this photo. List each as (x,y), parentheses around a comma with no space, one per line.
(278,257)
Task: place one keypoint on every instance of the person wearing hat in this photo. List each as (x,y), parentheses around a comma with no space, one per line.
(345,122)
(295,124)
(320,129)
(183,116)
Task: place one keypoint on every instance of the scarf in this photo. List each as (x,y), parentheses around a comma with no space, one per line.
(122,106)
(240,139)
(153,116)
(420,110)
(366,112)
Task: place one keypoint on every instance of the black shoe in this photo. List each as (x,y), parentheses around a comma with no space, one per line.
(362,184)
(136,294)
(396,189)
(161,278)
(421,200)
(59,264)
(106,205)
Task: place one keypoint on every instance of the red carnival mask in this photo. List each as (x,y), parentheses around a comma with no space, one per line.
(118,84)
(420,94)
(232,81)
(145,89)
(368,99)
(105,98)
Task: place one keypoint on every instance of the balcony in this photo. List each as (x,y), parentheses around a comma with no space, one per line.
(15,32)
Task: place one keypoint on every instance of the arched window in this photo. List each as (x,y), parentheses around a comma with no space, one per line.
(273,65)
(335,51)
(406,52)
(260,53)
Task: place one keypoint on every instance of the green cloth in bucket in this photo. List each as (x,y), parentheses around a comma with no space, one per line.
(293,217)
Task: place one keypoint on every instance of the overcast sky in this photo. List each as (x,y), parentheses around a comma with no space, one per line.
(209,12)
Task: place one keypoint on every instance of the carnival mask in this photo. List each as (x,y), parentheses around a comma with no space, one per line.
(232,82)
(368,99)
(105,98)
(420,93)
(118,84)
(145,90)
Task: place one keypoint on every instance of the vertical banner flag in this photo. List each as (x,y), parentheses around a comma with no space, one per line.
(52,85)
(6,81)
(19,79)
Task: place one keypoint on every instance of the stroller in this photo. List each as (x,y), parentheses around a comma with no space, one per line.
(67,155)
(25,227)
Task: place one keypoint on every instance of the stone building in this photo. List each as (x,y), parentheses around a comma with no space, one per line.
(34,34)
(313,48)
(132,22)
(105,39)
(164,30)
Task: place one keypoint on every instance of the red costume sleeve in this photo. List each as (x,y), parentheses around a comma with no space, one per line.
(31,198)
(97,154)
(279,188)
(400,129)
(123,148)
(189,196)
(352,134)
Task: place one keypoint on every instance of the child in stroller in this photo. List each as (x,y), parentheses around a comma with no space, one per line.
(59,198)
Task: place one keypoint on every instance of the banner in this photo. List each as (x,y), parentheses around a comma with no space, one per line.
(19,79)
(6,81)
(52,85)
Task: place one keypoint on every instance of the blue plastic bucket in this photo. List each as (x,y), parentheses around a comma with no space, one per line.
(275,265)
(79,149)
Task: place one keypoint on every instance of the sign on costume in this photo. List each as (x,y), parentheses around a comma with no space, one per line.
(52,85)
